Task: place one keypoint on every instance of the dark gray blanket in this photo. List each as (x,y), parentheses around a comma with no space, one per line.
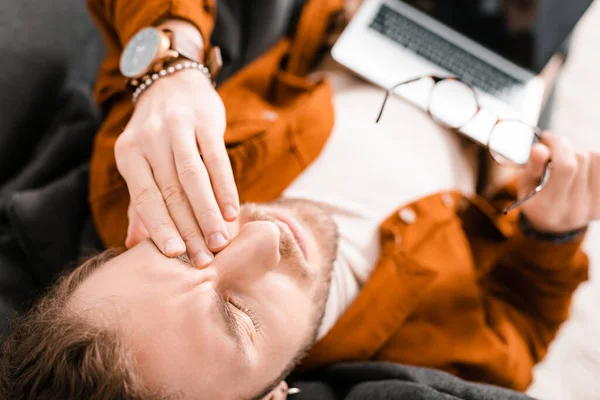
(47,125)
(387,381)
(48,121)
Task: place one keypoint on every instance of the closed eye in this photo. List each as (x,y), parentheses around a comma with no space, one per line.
(238,328)
(250,313)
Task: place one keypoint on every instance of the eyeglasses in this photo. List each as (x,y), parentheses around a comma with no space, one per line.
(453,104)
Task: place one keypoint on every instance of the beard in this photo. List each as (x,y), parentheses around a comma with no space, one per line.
(318,223)
(321,224)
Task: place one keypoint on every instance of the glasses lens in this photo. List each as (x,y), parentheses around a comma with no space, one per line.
(511,141)
(452,103)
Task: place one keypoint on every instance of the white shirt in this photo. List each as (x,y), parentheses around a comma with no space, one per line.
(367,171)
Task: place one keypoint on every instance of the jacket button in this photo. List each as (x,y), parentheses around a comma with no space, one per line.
(448,200)
(407,215)
(270,115)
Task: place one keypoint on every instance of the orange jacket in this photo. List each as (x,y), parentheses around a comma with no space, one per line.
(458,288)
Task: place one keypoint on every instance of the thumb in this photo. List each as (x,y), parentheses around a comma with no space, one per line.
(530,176)
(136,231)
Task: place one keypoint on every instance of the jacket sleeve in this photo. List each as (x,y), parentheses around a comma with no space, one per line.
(119,20)
(528,292)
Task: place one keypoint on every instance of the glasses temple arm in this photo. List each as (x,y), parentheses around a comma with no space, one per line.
(385,99)
(389,91)
(543,181)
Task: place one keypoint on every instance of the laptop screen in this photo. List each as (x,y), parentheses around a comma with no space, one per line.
(527,32)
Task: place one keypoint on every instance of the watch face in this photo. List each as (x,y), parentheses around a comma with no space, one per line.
(140,52)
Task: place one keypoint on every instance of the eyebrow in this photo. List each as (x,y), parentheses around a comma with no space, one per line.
(185,259)
(233,328)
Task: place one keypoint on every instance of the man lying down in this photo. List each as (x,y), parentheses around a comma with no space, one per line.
(380,249)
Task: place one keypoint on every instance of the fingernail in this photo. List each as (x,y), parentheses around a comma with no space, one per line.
(216,240)
(174,247)
(202,259)
(230,212)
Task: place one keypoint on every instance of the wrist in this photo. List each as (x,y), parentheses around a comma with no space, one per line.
(181,68)
(173,46)
(554,236)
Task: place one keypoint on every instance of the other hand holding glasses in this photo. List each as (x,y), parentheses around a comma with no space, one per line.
(453,104)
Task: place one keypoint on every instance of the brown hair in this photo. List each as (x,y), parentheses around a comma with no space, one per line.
(55,353)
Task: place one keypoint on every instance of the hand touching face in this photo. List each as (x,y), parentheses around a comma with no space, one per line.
(173,158)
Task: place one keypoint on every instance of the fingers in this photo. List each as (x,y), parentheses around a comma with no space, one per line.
(177,201)
(148,201)
(196,183)
(217,162)
(564,162)
(570,199)
(534,170)
(540,155)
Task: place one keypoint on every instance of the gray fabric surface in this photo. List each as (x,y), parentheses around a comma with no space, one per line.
(45,46)
(51,51)
(382,380)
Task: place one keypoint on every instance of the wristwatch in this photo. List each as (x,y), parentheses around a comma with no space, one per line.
(151,49)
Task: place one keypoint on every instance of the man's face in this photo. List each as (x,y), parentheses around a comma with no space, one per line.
(228,330)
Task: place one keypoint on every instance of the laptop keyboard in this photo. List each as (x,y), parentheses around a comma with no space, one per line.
(460,63)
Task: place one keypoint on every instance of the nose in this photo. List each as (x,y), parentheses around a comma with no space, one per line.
(251,254)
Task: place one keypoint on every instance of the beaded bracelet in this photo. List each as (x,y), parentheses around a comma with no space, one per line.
(169,71)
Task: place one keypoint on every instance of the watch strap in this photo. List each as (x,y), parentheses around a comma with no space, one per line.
(186,47)
(195,52)
(214,62)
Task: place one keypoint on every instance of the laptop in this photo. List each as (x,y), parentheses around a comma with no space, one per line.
(498,47)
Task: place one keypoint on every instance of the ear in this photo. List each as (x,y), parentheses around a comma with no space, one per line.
(279,393)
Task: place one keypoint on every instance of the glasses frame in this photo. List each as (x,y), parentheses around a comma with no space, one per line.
(536,130)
